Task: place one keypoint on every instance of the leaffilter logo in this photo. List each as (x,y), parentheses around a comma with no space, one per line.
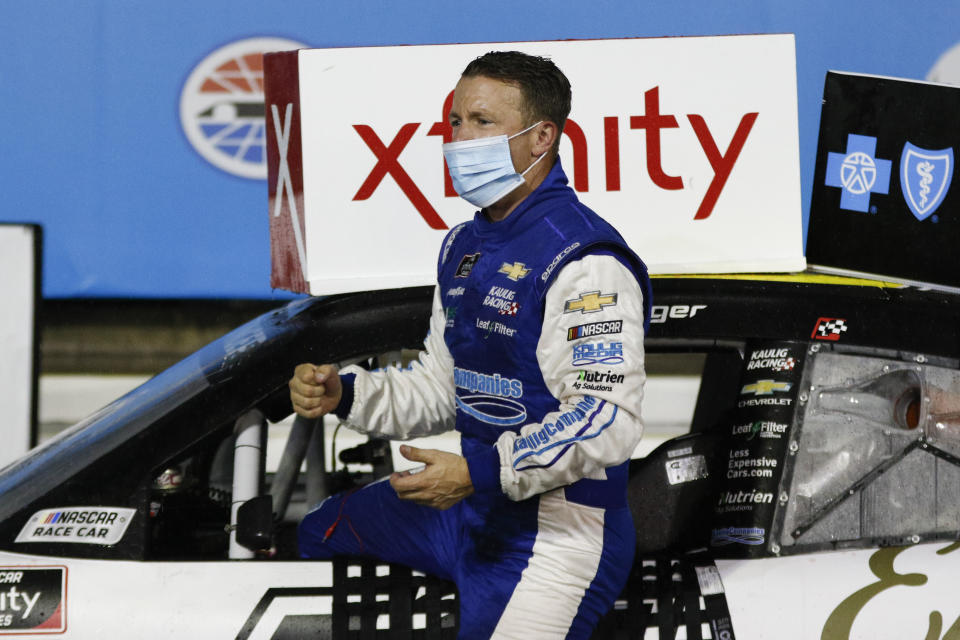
(221,106)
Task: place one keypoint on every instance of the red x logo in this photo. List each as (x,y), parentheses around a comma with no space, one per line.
(387,162)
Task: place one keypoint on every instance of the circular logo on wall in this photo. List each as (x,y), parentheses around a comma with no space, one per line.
(221,106)
(946,70)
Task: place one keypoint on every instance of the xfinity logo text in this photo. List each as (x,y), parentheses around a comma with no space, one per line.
(387,148)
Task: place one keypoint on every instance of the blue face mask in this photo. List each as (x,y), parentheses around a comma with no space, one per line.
(482,169)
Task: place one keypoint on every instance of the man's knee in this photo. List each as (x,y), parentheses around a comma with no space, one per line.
(312,532)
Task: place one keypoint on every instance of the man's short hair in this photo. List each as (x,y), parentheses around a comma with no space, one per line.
(543,87)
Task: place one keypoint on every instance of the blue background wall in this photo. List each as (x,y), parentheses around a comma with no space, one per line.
(92,146)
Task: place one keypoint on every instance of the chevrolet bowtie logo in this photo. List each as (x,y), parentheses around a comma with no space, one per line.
(590,302)
(514,271)
(765,387)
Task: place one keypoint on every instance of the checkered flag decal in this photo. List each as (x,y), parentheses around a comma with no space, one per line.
(787,365)
(511,310)
(829,328)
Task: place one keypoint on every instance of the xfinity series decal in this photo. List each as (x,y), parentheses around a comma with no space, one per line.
(590,302)
(87,525)
(33,600)
(466,265)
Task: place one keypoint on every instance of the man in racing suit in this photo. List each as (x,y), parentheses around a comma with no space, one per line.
(535,355)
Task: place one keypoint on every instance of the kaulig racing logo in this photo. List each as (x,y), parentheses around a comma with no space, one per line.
(222,106)
(925,176)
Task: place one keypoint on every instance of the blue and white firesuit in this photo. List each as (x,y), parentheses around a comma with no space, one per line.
(535,355)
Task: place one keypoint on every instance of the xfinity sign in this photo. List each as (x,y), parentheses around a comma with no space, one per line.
(692,155)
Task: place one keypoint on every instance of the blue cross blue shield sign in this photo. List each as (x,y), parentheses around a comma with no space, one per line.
(925,177)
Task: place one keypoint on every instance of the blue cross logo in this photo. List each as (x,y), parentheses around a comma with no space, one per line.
(858,172)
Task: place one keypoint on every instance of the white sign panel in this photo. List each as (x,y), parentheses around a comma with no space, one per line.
(687,145)
(86,525)
(18,280)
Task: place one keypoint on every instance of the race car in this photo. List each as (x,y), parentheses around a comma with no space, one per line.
(816,493)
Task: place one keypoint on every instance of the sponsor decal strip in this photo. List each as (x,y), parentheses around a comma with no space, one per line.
(591,353)
(496,393)
(87,525)
(738,535)
(775,359)
(570,441)
(515,412)
(765,387)
(594,329)
(590,302)
(550,429)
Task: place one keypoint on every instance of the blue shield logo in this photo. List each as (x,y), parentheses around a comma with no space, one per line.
(925,176)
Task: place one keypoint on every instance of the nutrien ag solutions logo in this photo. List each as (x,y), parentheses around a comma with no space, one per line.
(221,106)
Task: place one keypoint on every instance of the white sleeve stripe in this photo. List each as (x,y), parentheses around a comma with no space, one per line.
(569,442)
(550,428)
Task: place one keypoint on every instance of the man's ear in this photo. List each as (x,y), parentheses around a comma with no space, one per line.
(546,135)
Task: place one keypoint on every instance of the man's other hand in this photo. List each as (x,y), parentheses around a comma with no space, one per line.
(443,482)
(315,390)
